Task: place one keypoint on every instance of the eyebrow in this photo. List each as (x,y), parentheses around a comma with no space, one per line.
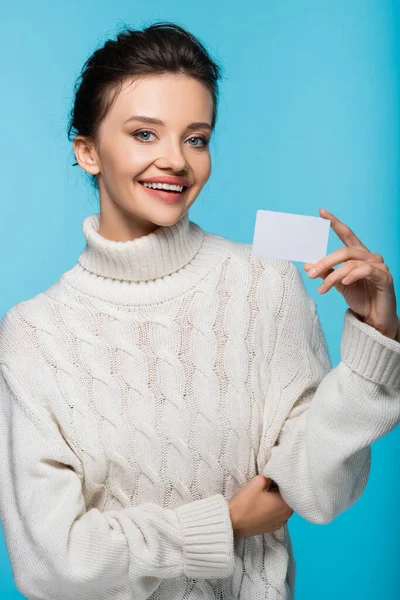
(158,122)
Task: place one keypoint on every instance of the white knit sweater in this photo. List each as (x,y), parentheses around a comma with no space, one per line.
(145,387)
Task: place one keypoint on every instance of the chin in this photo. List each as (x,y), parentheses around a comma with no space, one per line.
(168,216)
(168,220)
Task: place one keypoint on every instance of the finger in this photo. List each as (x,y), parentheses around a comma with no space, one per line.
(336,276)
(353,271)
(263,482)
(274,503)
(342,230)
(373,272)
(343,254)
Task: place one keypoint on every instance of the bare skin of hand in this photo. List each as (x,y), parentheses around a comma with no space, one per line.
(364,280)
(258,509)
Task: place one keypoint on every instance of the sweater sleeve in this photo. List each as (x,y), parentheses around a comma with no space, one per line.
(323,420)
(58,550)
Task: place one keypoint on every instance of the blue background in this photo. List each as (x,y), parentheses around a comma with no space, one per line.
(309,118)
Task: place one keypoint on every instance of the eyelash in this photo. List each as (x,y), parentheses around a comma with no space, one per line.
(200,137)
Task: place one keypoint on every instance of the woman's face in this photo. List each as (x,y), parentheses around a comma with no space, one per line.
(131,150)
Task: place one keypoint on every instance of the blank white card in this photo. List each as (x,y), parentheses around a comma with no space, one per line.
(290,237)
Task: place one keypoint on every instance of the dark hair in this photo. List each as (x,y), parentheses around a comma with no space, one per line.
(163,47)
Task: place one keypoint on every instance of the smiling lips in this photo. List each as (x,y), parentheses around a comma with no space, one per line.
(170,197)
(170,179)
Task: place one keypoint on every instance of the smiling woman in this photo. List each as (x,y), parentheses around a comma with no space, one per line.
(174,151)
(169,402)
(125,85)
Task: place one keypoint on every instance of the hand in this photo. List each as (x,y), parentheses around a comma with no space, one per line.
(258,509)
(364,280)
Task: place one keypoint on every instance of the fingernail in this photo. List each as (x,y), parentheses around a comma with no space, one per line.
(312,272)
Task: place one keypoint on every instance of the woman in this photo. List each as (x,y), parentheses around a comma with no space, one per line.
(169,401)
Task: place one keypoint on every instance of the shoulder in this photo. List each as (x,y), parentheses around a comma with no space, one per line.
(18,327)
(274,270)
(274,287)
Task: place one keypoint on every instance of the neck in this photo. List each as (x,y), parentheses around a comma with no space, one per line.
(114,226)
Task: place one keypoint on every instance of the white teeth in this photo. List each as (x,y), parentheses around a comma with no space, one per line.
(163,186)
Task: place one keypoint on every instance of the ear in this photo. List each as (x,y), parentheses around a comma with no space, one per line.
(86,155)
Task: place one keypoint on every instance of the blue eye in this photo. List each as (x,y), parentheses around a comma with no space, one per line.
(147,135)
(143,133)
(200,137)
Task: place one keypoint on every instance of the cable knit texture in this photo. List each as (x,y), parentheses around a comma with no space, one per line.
(145,387)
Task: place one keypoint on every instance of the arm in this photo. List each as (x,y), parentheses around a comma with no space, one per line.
(323,420)
(60,551)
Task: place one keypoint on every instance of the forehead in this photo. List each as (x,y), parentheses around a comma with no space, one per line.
(169,97)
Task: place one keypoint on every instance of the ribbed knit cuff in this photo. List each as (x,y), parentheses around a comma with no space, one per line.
(369,353)
(208,538)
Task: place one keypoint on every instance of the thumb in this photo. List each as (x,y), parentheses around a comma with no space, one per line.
(264,482)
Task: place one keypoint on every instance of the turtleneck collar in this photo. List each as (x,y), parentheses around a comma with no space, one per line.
(147,271)
(155,255)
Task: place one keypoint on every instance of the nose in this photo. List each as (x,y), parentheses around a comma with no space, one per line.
(172,157)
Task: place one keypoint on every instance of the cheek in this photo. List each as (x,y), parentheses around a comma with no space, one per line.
(135,162)
(201,166)
(124,160)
